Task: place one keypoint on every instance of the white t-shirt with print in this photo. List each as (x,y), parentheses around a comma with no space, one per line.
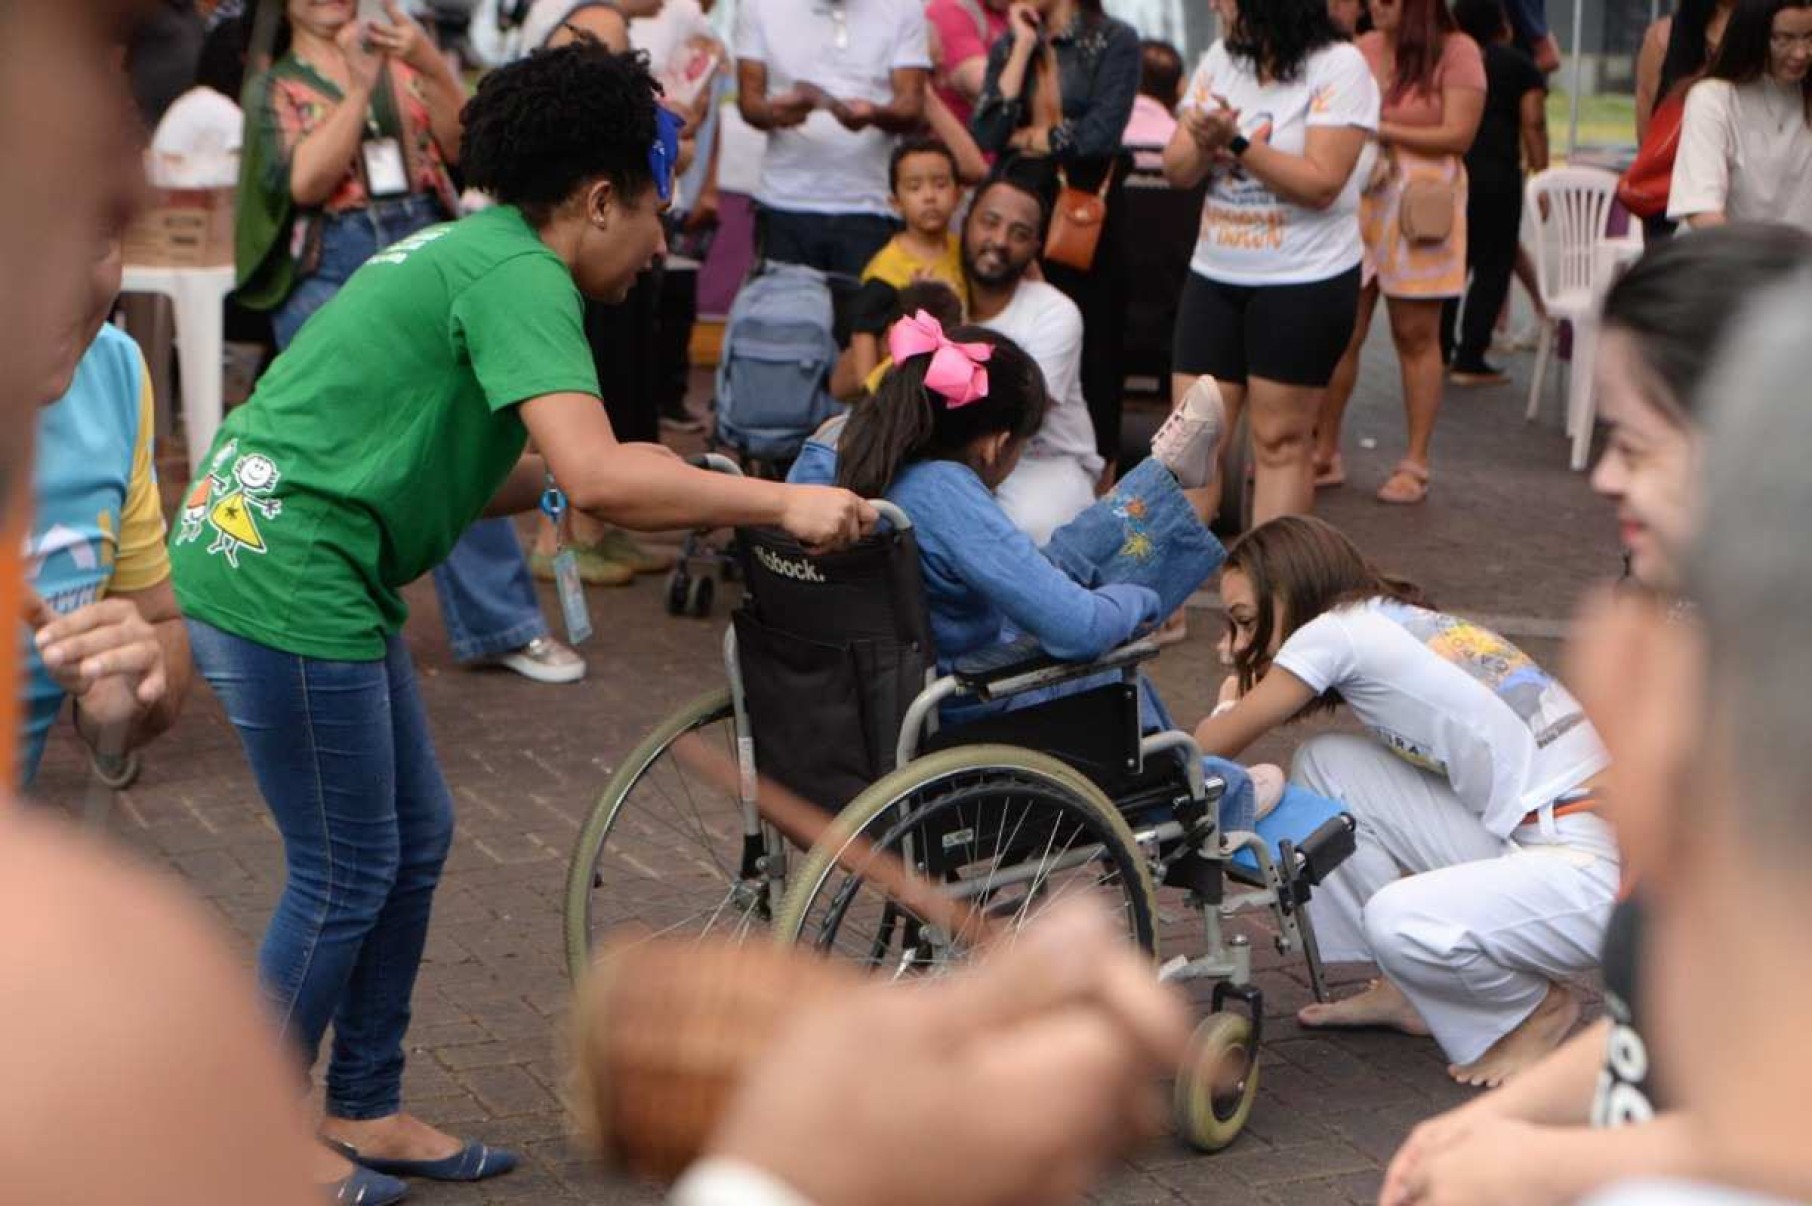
(1455,699)
(1249,235)
(820,167)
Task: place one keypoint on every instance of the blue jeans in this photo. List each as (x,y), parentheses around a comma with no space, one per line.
(486,595)
(1144,532)
(343,758)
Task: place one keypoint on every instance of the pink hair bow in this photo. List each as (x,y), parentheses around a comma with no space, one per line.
(956,370)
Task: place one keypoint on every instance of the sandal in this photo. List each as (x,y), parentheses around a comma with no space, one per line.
(1406,486)
(1329,473)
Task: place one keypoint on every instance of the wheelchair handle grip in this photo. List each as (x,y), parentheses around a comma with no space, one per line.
(895,517)
(716,462)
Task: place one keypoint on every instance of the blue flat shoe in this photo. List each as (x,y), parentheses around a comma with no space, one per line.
(473,1162)
(366,1187)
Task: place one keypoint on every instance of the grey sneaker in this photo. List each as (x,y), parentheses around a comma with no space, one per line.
(545,660)
(1186,442)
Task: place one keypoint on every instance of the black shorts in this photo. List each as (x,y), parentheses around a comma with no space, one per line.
(1294,334)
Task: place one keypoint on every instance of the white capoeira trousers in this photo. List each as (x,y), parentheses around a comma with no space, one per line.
(1471,927)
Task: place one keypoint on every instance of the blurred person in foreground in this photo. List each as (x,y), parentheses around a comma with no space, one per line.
(1026,1075)
(169,1091)
(1599,1108)
(1711,730)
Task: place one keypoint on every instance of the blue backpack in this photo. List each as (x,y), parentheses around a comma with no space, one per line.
(773,375)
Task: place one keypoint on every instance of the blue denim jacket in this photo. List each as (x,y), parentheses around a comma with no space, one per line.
(1098,76)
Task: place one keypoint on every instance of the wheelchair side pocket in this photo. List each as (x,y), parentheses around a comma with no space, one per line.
(807,713)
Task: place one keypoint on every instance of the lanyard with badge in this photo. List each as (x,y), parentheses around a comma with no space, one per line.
(663,154)
(386,172)
(566,569)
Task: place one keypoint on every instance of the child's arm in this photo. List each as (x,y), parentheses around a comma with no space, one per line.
(1000,562)
(1277,698)
(849,379)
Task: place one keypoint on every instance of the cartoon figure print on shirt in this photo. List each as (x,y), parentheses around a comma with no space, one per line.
(231,502)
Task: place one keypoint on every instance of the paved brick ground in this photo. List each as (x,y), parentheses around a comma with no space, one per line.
(1508,533)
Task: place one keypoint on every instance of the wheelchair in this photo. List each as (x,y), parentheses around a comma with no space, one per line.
(833,694)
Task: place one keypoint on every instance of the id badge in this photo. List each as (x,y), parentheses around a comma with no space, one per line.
(385,175)
(572,597)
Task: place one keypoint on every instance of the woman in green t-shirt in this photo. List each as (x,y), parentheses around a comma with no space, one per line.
(398,416)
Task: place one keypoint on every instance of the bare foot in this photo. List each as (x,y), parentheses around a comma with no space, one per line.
(1381,1004)
(398,1137)
(1539,1033)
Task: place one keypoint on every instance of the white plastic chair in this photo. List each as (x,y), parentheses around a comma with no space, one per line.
(198,294)
(1572,270)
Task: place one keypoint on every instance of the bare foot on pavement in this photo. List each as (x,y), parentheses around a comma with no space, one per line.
(1539,1033)
(1381,1004)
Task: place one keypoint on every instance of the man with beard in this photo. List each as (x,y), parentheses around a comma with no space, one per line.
(1004,233)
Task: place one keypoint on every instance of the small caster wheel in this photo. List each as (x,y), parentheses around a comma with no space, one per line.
(118,773)
(730,571)
(699,596)
(1216,1084)
(679,584)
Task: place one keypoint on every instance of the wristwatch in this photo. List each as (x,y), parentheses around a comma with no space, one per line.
(1237,145)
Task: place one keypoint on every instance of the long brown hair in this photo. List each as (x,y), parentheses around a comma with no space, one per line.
(1423,28)
(1301,567)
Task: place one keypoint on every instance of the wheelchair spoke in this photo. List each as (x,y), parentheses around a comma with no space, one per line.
(670,861)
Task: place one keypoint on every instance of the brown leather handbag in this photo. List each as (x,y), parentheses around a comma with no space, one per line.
(1425,210)
(1076,223)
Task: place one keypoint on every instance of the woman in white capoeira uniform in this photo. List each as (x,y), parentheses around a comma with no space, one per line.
(1484,877)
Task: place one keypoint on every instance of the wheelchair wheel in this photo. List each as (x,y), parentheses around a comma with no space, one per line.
(1216,1084)
(663,849)
(1004,830)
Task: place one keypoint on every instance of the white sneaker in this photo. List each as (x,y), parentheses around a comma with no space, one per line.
(544,660)
(1185,443)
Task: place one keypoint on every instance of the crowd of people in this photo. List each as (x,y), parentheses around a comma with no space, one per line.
(479,302)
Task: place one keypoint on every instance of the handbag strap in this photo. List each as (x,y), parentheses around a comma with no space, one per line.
(1107,181)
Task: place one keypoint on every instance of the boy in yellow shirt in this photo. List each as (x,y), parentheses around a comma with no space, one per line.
(923,177)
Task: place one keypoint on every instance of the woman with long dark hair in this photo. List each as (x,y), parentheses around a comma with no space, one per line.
(1058,91)
(1675,52)
(1746,138)
(1414,217)
(1275,119)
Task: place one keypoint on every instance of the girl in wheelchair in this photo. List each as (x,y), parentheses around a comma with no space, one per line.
(1483,877)
(945,427)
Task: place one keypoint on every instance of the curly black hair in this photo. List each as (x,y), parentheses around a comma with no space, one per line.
(1278,36)
(542,128)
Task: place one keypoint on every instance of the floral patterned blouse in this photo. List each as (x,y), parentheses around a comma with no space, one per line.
(300,99)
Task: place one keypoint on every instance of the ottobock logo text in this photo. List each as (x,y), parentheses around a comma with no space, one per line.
(800,571)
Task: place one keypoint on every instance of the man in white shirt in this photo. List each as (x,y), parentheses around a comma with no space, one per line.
(832,82)
(1056,478)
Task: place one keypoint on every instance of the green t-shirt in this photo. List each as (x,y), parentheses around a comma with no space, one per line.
(378,437)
